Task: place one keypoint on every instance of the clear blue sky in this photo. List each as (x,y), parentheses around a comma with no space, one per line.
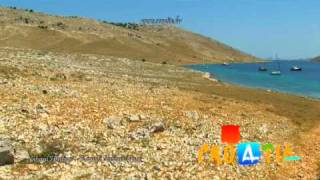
(290,28)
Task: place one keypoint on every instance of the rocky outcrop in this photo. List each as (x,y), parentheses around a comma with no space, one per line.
(146,131)
(6,153)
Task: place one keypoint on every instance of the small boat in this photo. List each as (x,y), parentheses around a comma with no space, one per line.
(225,64)
(276,73)
(262,68)
(296,68)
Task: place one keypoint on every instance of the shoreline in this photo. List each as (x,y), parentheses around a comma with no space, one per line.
(211,76)
(269,90)
(302,111)
(248,62)
(279,99)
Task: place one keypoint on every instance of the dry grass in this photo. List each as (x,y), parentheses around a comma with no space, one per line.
(79,35)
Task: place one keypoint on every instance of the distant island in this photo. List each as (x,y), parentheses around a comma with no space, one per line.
(316,58)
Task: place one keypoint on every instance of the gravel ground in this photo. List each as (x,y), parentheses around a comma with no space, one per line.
(80,108)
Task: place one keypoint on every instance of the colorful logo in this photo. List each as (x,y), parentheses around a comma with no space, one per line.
(247,153)
(230,134)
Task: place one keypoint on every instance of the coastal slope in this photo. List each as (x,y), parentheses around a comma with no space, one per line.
(158,43)
(73,105)
(66,90)
(316,58)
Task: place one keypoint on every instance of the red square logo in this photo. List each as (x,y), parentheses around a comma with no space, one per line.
(230,134)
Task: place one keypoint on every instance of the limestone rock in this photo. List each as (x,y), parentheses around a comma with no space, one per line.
(156,127)
(21,155)
(6,153)
(134,118)
(146,131)
(112,122)
(40,108)
(140,134)
(192,115)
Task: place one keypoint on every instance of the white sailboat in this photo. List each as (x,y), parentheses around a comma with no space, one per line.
(277,71)
(296,68)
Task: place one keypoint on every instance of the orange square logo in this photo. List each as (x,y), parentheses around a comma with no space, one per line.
(230,134)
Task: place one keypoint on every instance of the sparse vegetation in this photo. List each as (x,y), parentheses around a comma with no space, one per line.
(50,149)
(25,20)
(78,75)
(74,17)
(58,76)
(129,25)
(29,10)
(133,33)
(69,104)
(43,27)
(60,25)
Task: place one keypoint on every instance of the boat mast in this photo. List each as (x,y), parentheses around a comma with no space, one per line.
(278,61)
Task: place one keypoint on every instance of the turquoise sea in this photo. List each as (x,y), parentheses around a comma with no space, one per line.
(305,82)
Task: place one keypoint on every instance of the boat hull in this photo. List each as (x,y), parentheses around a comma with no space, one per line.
(296,69)
(275,73)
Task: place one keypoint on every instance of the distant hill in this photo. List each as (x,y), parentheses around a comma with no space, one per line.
(317,58)
(28,29)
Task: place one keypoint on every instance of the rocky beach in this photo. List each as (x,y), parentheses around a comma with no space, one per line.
(150,120)
(92,99)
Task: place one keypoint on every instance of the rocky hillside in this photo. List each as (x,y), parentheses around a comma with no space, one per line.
(95,115)
(162,44)
(317,58)
(76,106)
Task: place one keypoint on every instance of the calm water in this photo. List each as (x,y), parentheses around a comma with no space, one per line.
(306,82)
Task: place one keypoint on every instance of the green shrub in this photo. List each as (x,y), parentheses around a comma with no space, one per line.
(29,10)
(43,27)
(50,149)
(133,26)
(60,25)
(26,20)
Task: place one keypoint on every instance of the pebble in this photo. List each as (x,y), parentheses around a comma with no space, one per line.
(156,127)
(134,118)
(21,155)
(112,122)
(192,115)
(157,167)
(32,167)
